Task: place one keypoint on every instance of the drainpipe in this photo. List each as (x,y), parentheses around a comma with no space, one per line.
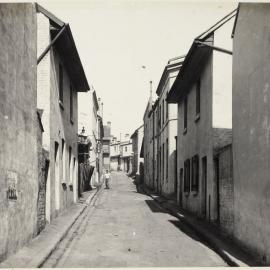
(51,44)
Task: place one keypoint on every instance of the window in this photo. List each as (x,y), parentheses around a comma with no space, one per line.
(157,121)
(126,149)
(60,82)
(160,160)
(163,156)
(69,164)
(63,161)
(195,173)
(57,175)
(167,107)
(71,103)
(185,113)
(187,175)
(198,98)
(163,112)
(159,116)
(167,158)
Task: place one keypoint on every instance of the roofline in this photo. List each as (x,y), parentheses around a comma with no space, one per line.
(235,21)
(166,71)
(79,59)
(205,35)
(217,25)
(49,15)
(84,83)
(136,130)
(95,99)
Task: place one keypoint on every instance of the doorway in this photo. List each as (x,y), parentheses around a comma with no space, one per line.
(204,187)
(216,165)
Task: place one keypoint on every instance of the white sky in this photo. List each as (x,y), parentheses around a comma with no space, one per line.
(116,38)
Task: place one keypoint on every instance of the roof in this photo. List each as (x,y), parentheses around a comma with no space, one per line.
(65,46)
(195,60)
(235,20)
(136,131)
(95,100)
(174,64)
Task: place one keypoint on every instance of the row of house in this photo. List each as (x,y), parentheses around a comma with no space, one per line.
(121,154)
(41,75)
(206,137)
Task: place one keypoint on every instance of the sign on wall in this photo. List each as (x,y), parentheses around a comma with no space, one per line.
(12,180)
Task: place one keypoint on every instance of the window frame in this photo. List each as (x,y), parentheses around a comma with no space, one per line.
(195,173)
(185,113)
(167,158)
(187,176)
(71,103)
(198,100)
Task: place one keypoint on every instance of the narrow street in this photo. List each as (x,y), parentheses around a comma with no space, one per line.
(124,228)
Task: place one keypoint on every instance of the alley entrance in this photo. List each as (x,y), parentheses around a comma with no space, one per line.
(126,228)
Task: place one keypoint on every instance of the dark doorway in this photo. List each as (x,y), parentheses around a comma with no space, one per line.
(180,187)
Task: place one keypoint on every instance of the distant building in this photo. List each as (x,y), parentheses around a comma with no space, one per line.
(202,91)
(137,138)
(165,131)
(115,154)
(126,154)
(251,111)
(106,141)
(148,156)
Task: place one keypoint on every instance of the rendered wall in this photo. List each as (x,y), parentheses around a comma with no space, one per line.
(251,125)
(197,141)
(18,125)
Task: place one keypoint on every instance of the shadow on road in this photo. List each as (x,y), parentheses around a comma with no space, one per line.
(154,207)
(185,229)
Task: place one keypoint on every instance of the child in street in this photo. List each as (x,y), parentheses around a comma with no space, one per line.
(107,179)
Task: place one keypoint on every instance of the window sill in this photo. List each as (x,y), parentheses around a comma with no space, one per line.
(61,104)
(194,193)
(197,118)
(185,131)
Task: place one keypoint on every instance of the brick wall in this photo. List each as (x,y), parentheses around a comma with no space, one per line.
(226,190)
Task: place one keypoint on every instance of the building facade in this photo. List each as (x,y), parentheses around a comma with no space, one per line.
(165,131)
(202,91)
(126,154)
(19,127)
(57,88)
(148,142)
(251,69)
(106,141)
(115,154)
(137,138)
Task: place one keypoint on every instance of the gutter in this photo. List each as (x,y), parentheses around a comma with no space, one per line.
(51,44)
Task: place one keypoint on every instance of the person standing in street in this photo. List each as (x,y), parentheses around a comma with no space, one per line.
(107,179)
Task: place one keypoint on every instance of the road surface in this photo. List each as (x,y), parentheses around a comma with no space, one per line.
(125,228)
